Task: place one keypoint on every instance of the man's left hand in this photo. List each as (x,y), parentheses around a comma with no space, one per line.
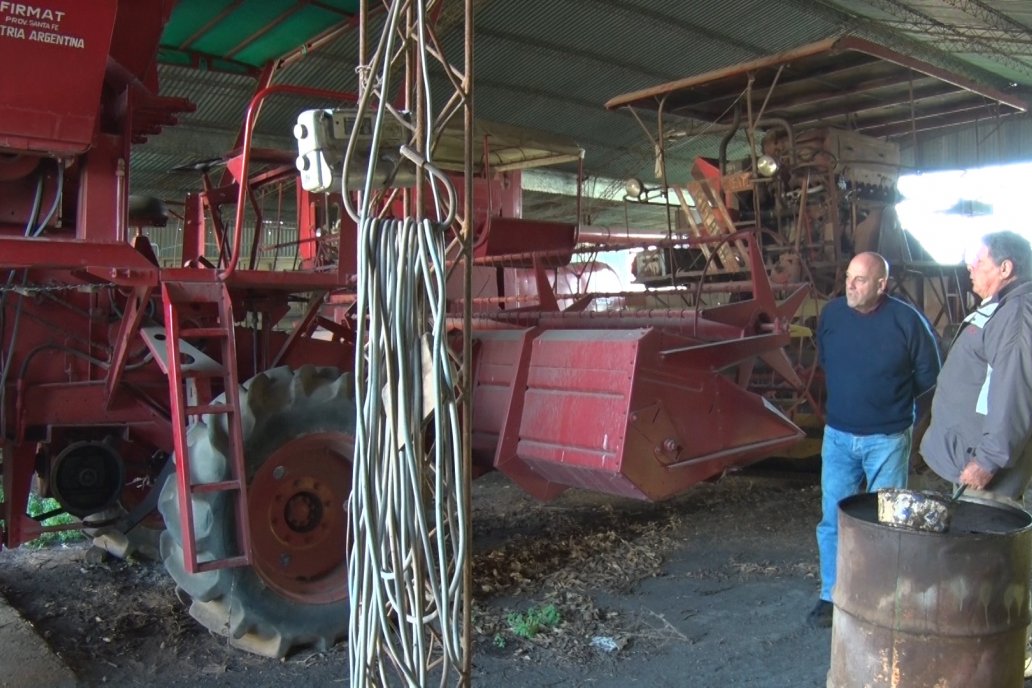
(975,476)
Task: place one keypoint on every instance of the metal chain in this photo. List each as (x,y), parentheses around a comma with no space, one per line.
(29,289)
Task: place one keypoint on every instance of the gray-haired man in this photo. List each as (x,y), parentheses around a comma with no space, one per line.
(982,408)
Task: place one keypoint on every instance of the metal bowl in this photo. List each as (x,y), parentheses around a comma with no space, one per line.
(914,510)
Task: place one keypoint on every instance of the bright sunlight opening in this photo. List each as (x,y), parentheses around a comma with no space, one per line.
(948,212)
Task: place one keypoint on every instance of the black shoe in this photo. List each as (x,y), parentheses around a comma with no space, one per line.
(820,615)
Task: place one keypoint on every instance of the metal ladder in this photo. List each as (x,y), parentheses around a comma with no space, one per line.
(190,372)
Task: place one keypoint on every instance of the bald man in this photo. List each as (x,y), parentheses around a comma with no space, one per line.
(879,355)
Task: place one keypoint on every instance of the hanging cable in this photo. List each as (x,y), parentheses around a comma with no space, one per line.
(404,584)
(407,507)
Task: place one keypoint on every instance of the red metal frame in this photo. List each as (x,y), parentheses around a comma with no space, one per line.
(76,295)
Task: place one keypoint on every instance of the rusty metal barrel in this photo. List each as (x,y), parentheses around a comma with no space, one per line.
(917,609)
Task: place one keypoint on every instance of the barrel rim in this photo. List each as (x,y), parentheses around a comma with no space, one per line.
(862,496)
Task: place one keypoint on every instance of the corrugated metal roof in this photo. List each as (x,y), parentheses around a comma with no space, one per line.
(552,64)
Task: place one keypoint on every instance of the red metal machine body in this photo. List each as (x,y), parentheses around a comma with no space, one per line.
(61,116)
(103,351)
(127,387)
(632,403)
(629,403)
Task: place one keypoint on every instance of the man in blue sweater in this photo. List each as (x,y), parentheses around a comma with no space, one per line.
(878,355)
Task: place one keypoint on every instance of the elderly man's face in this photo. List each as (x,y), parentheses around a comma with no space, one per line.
(987,277)
(864,284)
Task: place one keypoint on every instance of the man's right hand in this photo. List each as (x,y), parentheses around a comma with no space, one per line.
(975,476)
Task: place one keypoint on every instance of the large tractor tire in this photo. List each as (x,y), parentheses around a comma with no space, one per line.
(298,431)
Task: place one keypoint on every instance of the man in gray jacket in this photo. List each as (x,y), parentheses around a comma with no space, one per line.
(982,408)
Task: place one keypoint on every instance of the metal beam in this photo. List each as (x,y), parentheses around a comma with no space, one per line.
(881,32)
(945,32)
(992,17)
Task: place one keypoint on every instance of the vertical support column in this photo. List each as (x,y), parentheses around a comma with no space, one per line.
(102,192)
(412,256)
(19,463)
(465,374)
(193,229)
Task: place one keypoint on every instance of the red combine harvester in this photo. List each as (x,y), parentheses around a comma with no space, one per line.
(112,365)
(204,391)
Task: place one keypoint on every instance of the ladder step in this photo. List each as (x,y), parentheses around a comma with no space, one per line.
(203,332)
(208,408)
(221,486)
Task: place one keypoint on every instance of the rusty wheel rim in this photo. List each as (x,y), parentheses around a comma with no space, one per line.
(297,504)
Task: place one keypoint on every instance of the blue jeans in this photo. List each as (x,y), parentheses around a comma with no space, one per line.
(847,461)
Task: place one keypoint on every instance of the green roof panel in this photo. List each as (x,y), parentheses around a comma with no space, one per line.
(240,34)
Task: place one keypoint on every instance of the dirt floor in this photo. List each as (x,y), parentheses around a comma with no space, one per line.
(709,589)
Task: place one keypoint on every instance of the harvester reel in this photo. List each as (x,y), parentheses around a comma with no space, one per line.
(298,442)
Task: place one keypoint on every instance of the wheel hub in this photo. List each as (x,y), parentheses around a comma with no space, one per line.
(303,512)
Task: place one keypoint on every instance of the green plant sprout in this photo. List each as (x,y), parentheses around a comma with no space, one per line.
(533,621)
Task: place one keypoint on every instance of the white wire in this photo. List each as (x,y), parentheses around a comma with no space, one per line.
(405,580)
(380,57)
(408,499)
